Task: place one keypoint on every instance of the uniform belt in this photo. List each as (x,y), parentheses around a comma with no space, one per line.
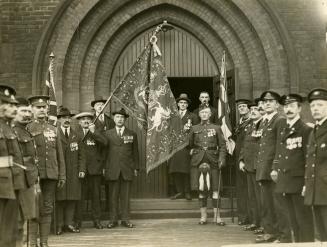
(6,161)
(206,148)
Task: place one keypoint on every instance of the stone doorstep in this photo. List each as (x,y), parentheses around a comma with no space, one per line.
(311,244)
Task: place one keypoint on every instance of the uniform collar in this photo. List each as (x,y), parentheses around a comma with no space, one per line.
(293,121)
(270,116)
(205,122)
(321,121)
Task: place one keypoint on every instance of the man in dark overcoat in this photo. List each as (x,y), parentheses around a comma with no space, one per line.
(241,180)
(179,164)
(288,168)
(94,166)
(204,98)
(51,165)
(208,151)
(121,166)
(247,157)
(70,194)
(315,190)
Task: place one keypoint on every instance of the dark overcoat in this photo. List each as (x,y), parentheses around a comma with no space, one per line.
(180,162)
(239,135)
(316,167)
(123,155)
(51,162)
(290,154)
(267,147)
(75,162)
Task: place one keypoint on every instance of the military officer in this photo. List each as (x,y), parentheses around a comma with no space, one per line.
(13,177)
(27,197)
(121,165)
(179,164)
(208,151)
(204,99)
(51,164)
(241,182)
(94,165)
(315,190)
(247,159)
(288,168)
(68,196)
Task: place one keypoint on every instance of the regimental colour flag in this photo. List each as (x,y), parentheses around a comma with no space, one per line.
(223,108)
(50,91)
(145,94)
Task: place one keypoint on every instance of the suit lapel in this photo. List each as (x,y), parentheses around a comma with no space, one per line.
(321,130)
(62,135)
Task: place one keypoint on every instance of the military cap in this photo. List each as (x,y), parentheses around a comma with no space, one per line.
(120,112)
(290,98)
(252,103)
(84,114)
(39,100)
(269,94)
(242,102)
(203,106)
(317,93)
(257,100)
(183,96)
(98,99)
(21,101)
(64,112)
(7,94)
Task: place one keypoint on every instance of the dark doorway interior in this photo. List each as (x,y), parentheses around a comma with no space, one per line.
(192,86)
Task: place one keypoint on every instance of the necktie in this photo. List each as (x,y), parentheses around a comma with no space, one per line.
(120,132)
(66,133)
(85,132)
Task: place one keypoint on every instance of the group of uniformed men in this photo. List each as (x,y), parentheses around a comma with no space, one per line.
(42,167)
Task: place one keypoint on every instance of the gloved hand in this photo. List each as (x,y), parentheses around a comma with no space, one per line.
(61,183)
(81,174)
(274,175)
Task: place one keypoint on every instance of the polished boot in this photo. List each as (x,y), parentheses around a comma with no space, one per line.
(203,219)
(32,232)
(216,217)
(44,230)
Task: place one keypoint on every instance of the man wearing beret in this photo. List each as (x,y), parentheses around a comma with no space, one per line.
(264,162)
(315,190)
(51,164)
(288,168)
(204,99)
(11,170)
(247,157)
(121,166)
(241,181)
(29,196)
(208,151)
(94,165)
(179,164)
(73,150)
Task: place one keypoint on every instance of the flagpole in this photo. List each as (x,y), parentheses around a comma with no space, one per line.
(51,66)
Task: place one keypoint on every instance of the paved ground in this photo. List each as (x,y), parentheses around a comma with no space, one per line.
(162,232)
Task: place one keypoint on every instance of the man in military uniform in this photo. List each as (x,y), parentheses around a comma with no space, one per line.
(13,176)
(27,197)
(51,164)
(288,168)
(68,196)
(247,159)
(241,180)
(179,164)
(121,166)
(208,151)
(204,99)
(315,190)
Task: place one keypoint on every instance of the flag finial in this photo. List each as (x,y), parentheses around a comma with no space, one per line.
(51,56)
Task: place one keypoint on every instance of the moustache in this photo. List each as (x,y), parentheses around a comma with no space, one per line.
(66,122)
(289,112)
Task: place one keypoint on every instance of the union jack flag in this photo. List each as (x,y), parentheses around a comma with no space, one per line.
(223,108)
(51,92)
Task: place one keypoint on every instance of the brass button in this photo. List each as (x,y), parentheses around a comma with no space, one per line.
(313,165)
(313,175)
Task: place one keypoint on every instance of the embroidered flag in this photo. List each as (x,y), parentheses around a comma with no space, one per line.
(223,108)
(145,94)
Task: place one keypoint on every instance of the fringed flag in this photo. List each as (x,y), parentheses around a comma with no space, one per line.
(223,108)
(145,94)
(51,92)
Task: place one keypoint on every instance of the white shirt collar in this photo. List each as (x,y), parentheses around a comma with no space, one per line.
(63,129)
(256,121)
(270,116)
(321,121)
(120,129)
(293,121)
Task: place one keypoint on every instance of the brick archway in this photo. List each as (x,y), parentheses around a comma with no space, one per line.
(87,38)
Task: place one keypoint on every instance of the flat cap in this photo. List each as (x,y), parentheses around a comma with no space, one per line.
(290,98)
(317,93)
(242,101)
(21,101)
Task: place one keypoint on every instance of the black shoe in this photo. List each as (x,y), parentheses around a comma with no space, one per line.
(71,228)
(127,224)
(59,231)
(78,225)
(258,231)
(177,196)
(112,224)
(97,224)
(251,227)
(188,196)
(243,222)
(201,222)
(266,238)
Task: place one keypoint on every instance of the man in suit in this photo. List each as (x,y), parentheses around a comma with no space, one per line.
(272,219)
(179,164)
(247,157)
(94,166)
(288,168)
(51,164)
(315,190)
(73,150)
(208,151)
(241,181)
(204,99)
(121,165)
